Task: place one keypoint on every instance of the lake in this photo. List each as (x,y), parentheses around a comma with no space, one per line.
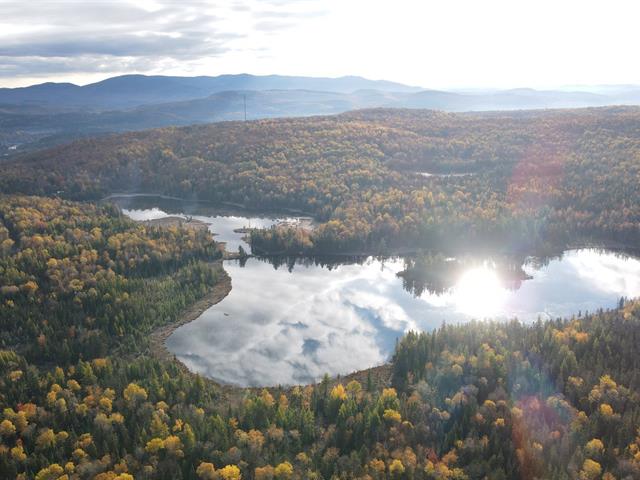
(294,323)
(222,220)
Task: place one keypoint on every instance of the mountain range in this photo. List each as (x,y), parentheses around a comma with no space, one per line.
(133,90)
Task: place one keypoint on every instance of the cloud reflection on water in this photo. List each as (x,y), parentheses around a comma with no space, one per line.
(286,328)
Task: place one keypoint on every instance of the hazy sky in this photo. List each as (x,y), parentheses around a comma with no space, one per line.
(437,44)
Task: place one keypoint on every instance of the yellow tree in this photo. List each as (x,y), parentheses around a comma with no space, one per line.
(230,472)
(284,471)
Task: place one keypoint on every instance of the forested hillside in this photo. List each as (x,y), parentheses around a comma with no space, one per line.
(78,280)
(532,177)
(82,286)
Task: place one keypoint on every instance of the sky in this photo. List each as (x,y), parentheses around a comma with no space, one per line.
(446,44)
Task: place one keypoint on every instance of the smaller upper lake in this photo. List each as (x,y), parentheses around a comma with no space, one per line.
(291,322)
(222,221)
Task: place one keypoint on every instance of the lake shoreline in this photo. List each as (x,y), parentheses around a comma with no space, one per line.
(234,391)
(175,221)
(380,375)
(311,222)
(159,336)
(236,205)
(617,247)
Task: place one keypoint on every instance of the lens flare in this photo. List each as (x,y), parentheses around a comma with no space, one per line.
(479,292)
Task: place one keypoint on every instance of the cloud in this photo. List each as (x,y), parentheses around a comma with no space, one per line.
(40,39)
(272,25)
(47,66)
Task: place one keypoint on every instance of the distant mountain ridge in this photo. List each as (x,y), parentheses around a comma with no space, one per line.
(128,91)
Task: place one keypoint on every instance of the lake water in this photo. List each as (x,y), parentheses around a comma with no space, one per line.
(294,323)
(222,221)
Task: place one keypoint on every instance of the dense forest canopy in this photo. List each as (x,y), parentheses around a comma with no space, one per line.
(75,280)
(534,177)
(553,400)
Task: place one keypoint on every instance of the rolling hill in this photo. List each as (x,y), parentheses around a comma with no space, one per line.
(554,176)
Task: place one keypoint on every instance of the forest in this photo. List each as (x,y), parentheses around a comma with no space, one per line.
(83,394)
(78,280)
(525,179)
(83,397)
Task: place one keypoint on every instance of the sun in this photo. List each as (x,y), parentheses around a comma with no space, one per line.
(479,292)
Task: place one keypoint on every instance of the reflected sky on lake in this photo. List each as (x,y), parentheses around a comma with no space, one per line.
(222,224)
(282,327)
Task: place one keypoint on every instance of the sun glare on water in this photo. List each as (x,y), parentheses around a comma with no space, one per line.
(479,293)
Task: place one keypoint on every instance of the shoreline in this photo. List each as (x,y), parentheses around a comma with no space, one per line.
(275,211)
(157,339)
(555,251)
(309,222)
(174,220)
(233,393)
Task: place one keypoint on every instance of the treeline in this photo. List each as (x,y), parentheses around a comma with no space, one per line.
(536,177)
(76,280)
(437,273)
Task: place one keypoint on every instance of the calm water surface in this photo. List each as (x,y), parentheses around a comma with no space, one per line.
(222,221)
(293,325)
